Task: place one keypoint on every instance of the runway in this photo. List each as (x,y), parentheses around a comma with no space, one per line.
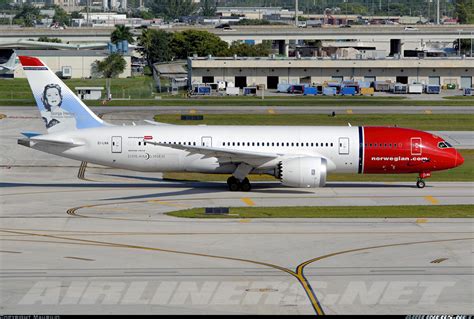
(103,244)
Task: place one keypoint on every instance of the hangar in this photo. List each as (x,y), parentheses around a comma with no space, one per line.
(273,70)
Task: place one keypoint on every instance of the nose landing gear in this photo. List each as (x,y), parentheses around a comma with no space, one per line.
(420,182)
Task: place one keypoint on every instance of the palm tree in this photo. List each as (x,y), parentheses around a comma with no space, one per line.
(121,33)
(111,67)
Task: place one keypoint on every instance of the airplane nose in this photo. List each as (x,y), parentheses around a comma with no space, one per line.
(459,159)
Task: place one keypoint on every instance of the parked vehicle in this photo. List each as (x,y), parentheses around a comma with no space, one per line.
(415,88)
(336,86)
(232,91)
(250,90)
(283,87)
(367,91)
(296,89)
(302,24)
(202,90)
(329,90)
(222,26)
(400,88)
(348,90)
(314,23)
(432,89)
(309,90)
(382,86)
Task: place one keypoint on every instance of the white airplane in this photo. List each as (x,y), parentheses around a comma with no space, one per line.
(9,65)
(300,156)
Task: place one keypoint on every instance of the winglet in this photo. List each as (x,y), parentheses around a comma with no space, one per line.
(30,134)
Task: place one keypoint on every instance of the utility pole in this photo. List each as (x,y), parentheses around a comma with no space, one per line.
(437,11)
(87,12)
(296,12)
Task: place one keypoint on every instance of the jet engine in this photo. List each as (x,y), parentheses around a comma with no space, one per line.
(303,172)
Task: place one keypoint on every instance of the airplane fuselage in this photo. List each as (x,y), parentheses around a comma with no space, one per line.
(346,149)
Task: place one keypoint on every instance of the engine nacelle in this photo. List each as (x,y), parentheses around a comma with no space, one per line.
(303,172)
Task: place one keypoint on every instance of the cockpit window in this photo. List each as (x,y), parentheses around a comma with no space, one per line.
(444,144)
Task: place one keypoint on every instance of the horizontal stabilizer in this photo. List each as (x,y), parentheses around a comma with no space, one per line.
(66,142)
(156,123)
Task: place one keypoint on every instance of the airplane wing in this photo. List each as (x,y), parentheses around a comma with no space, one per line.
(222,154)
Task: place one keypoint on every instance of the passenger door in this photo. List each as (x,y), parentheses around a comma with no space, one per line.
(116,144)
(343,146)
(416,146)
(206,141)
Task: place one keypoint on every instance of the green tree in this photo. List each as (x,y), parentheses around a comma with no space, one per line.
(172,9)
(136,13)
(202,43)
(253,22)
(27,15)
(46,39)
(244,49)
(61,16)
(76,15)
(110,68)
(208,8)
(465,11)
(465,46)
(155,46)
(121,33)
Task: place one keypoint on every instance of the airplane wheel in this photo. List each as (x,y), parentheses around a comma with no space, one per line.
(231,180)
(420,183)
(245,186)
(235,186)
(233,183)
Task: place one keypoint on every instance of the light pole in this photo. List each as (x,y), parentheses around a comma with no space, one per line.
(296,12)
(471,45)
(437,12)
(459,42)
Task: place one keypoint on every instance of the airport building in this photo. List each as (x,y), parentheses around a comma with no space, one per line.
(271,71)
(71,63)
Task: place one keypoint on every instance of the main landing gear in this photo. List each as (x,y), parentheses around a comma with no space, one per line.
(420,182)
(237,185)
